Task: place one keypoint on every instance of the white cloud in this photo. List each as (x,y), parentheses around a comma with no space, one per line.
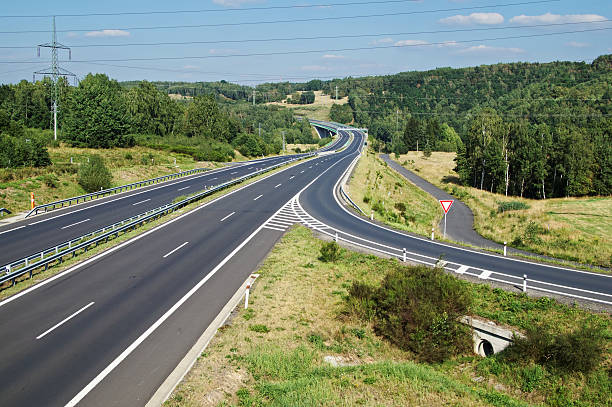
(576,44)
(449,44)
(72,35)
(190,67)
(332,56)
(485,49)
(549,18)
(410,43)
(234,3)
(108,33)
(387,40)
(474,18)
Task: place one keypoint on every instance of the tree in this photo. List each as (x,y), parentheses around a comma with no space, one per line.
(413,134)
(341,113)
(96,114)
(204,119)
(151,111)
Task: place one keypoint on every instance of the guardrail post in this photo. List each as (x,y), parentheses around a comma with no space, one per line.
(404,256)
(524,283)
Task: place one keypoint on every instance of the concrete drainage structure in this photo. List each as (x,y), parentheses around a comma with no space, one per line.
(488,337)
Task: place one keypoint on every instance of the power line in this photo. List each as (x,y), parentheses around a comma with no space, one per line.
(325,37)
(292,20)
(138,13)
(297,52)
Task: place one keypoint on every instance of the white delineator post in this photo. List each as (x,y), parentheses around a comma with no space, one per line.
(336,237)
(432,234)
(505,243)
(524,283)
(372,215)
(404,256)
(246,296)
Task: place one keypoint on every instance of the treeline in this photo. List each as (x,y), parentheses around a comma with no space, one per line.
(100,113)
(542,161)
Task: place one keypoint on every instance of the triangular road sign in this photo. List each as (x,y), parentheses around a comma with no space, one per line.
(446,205)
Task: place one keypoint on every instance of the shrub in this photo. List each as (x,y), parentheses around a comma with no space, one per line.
(417,309)
(579,351)
(400,206)
(259,328)
(128,156)
(330,252)
(51,180)
(511,206)
(94,175)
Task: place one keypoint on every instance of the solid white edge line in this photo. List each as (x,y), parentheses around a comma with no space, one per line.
(138,203)
(74,224)
(227,216)
(132,240)
(63,321)
(91,385)
(172,251)
(10,230)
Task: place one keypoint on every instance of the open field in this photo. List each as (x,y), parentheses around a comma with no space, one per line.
(274,352)
(376,187)
(318,110)
(576,229)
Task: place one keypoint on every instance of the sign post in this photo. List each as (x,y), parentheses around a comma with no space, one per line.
(446,204)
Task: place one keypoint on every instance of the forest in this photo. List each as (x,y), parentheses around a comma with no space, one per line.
(102,113)
(537,130)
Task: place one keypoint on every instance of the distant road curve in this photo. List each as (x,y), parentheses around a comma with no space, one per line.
(459,220)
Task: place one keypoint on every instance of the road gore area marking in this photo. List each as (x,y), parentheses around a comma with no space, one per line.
(227,216)
(462,269)
(76,223)
(138,203)
(172,251)
(258,197)
(485,274)
(10,230)
(65,320)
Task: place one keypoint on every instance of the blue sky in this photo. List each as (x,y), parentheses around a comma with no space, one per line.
(386,37)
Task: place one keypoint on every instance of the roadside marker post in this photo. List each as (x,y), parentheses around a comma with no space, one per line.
(524,283)
(32,203)
(446,204)
(505,243)
(246,297)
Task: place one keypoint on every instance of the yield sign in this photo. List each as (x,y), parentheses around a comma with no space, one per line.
(446,205)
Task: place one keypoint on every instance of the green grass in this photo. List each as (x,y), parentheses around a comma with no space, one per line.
(299,300)
(377,188)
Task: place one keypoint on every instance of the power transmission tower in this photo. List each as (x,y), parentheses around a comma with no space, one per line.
(55,71)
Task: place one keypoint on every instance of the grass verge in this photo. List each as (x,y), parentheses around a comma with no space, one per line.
(574,229)
(377,188)
(277,352)
(24,282)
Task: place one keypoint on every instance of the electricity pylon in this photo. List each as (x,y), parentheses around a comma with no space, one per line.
(55,71)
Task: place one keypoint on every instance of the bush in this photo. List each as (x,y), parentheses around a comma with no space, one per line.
(330,252)
(400,206)
(578,351)
(418,309)
(94,175)
(51,180)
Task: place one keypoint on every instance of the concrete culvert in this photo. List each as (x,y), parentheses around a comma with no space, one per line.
(486,349)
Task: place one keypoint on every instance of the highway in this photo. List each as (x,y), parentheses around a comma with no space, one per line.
(108,332)
(60,337)
(34,234)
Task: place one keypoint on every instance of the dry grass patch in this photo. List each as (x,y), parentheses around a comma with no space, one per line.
(576,229)
(376,187)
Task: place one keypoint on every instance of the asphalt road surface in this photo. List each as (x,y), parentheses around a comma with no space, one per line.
(151,298)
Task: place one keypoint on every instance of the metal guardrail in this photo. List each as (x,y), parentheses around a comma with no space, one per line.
(4,210)
(57,253)
(110,191)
